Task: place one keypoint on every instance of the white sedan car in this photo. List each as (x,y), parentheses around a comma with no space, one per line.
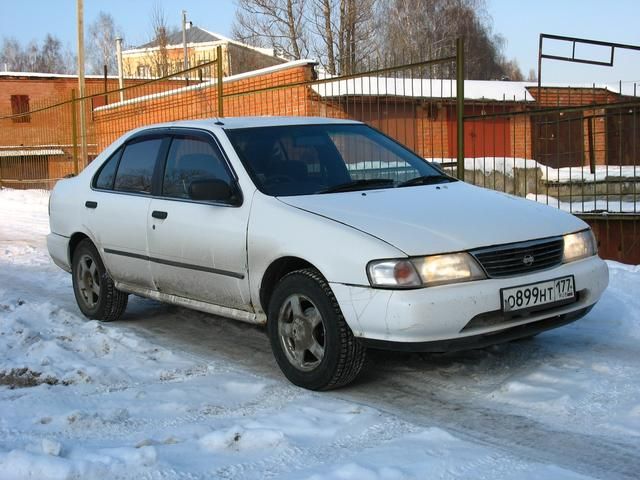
(332,234)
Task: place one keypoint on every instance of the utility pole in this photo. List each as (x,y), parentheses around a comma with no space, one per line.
(120,69)
(184,43)
(81,89)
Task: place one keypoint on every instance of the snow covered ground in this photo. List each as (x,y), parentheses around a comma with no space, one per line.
(171,393)
(588,204)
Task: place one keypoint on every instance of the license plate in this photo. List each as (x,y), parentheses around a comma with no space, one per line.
(536,294)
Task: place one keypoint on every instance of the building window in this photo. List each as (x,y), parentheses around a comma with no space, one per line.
(20,104)
(144,71)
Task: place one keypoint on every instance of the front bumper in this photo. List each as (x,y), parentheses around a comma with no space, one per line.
(430,319)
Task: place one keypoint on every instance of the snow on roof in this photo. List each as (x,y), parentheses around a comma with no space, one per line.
(30,153)
(496,90)
(194,35)
(197,36)
(74,76)
(265,51)
(424,88)
(52,75)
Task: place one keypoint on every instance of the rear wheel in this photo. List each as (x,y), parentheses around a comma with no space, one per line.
(95,292)
(311,341)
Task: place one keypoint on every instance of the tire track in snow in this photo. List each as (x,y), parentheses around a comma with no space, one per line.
(414,397)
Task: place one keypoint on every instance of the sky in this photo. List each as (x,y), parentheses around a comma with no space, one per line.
(519,22)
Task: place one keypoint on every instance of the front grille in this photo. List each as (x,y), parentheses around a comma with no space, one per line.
(520,258)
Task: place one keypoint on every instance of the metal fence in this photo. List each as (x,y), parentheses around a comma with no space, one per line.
(581,158)
(572,147)
(47,141)
(404,98)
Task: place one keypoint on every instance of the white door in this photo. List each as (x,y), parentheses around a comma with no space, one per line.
(197,247)
(118,208)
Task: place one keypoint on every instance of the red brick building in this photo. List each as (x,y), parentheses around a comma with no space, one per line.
(421,113)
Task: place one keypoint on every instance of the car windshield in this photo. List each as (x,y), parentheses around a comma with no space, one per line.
(328,158)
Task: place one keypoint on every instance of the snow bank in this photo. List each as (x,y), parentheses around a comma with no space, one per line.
(597,205)
(507,165)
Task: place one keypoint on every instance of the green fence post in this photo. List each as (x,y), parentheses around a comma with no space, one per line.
(74,131)
(220,86)
(460,104)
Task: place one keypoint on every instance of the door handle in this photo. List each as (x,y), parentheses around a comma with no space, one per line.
(90,204)
(159,214)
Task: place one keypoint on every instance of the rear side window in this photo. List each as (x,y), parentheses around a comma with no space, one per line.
(189,159)
(135,171)
(108,172)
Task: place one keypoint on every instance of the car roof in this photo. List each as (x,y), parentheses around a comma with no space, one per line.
(251,122)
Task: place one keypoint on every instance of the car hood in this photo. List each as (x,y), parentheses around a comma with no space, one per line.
(430,219)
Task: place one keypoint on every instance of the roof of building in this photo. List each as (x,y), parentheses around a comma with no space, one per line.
(194,35)
(198,36)
(56,75)
(491,90)
(207,84)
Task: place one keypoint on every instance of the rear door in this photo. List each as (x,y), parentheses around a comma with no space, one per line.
(118,208)
(198,248)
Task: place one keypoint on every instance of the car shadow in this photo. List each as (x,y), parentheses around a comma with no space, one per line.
(247,345)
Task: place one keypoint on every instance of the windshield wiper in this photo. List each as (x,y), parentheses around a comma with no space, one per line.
(427,180)
(358,185)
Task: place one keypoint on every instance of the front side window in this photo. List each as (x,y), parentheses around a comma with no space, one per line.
(192,159)
(311,159)
(135,170)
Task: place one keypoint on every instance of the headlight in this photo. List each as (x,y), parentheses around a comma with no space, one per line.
(424,271)
(579,245)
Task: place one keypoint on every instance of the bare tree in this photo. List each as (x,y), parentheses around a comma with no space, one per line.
(424,29)
(279,24)
(511,70)
(325,25)
(12,55)
(50,57)
(160,33)
(345,34)
(340,33)
(102,44)
(348,36)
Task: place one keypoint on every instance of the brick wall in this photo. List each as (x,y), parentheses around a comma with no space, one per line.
(618,238)
(432,125)
(251,95)
(520,129)
(427,126)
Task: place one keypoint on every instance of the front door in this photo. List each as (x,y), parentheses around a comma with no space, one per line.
(117,210)
(198,248)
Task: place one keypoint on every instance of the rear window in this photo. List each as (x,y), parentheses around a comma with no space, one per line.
(107,173)
(135,171)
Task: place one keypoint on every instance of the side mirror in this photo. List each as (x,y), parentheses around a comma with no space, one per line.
(212,190)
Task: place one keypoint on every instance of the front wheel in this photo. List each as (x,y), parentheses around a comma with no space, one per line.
(95,292)
(310,339)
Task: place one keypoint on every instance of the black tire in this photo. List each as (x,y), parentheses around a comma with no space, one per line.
(343,356)
(95,292)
